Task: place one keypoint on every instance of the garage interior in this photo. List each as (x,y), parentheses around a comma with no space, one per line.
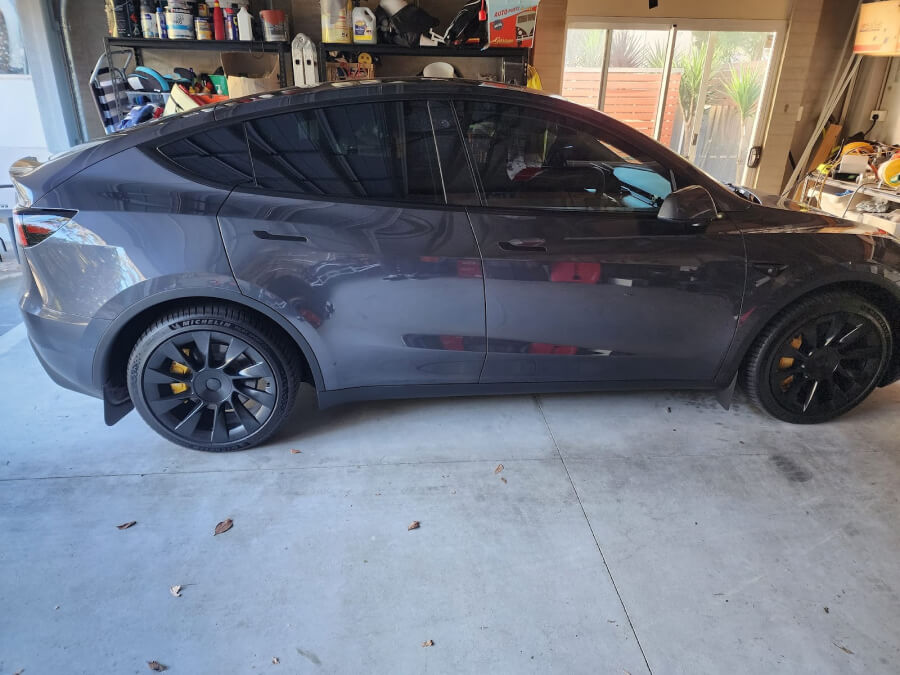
(638,532)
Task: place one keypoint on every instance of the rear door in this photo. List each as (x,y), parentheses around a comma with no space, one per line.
(583,282)
(346,232)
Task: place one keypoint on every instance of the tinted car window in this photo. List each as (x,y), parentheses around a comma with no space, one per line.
(365,150)
(454,165)
(217,156)
(529,158)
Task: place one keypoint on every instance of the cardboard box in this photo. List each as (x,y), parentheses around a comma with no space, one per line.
(878,30)
(337,71)
(511,22)
(249,73)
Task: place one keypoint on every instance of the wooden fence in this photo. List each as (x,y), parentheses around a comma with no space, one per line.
(632,95)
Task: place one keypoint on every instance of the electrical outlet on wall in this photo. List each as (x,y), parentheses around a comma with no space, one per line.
(880,114)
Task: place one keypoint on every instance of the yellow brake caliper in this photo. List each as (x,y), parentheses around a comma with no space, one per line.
(786,362)
(179,369)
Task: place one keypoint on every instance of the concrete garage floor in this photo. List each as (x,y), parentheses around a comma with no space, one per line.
(633,533)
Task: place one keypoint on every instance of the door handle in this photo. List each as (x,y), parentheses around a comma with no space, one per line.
(534,245)
(262,234)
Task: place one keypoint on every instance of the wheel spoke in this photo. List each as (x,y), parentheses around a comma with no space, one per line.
(175,354)
(254,371)
(810,337)
(861,353)
(852,335)
(219,431)
(235,348)
(838,395)
(153,376)
(262,397)
(166,403)
(187,426)
(247,418)
(811,395)
(792,352)
(834,329)
(201,342)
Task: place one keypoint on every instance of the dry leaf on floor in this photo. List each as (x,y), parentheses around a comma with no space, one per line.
(414,525)
(428,643)
(157,666)
(125,526)
(503,479)
(499,468)
(224,526)
(842,648)
(175,590)
(295,451)
(276,660)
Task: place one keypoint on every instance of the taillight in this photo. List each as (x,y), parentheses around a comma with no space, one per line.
(35,225)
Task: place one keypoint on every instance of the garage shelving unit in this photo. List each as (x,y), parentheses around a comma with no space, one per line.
(138,45)
(515,59)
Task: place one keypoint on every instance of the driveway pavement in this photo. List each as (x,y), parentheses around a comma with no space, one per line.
(639,532)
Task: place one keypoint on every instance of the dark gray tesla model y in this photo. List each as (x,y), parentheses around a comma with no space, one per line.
(411,238)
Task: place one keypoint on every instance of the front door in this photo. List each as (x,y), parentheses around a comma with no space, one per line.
(346,233)
(582,281)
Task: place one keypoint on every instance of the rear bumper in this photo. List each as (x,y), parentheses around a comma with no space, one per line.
(64,346)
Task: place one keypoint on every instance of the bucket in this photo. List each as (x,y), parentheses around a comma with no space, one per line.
(336,19)
(364,31)
(179,24)
(274,25)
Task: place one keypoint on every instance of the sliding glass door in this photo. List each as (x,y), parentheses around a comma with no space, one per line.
(699,91)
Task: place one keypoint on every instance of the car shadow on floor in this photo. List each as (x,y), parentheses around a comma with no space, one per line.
(482,419)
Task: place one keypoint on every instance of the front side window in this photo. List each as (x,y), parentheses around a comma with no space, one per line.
(530,158)
(379,151)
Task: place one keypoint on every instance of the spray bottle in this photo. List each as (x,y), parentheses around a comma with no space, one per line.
(218,22)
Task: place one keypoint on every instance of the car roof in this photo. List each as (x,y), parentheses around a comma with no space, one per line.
(371,89)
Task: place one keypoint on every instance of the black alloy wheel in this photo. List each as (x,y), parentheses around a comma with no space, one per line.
(209,386)
(820,359)
(209,383)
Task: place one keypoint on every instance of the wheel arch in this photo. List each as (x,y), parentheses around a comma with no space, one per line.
(873,289)
(114,347)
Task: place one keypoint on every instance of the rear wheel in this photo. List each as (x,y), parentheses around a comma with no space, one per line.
(819,358)
(212,377)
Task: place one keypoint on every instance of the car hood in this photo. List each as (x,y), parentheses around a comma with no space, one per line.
(776,214)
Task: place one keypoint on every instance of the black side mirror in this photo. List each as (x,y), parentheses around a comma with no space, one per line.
(692,205)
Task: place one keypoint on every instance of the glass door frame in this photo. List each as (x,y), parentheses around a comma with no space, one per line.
(673,25)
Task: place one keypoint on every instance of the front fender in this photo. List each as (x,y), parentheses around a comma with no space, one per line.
(779,274)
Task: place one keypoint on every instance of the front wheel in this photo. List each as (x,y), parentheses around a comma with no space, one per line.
(213,378)
(819,358)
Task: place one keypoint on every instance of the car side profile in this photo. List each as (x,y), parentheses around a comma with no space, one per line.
(426,237)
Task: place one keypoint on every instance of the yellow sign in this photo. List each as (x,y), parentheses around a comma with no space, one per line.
(878,31)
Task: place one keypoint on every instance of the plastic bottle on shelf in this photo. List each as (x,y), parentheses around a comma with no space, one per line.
(230,24)
(218,22)
(245,24)
(148,20)
(161,27)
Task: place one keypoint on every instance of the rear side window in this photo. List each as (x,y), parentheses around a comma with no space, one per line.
(215,156)
(380,151)
(530,158)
